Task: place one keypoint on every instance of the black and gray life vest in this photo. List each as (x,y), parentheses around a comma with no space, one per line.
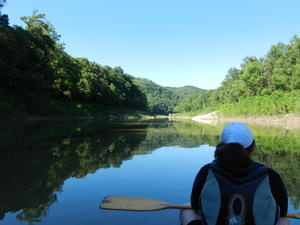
(238,201)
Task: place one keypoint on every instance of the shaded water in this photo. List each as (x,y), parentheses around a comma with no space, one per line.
(58,172)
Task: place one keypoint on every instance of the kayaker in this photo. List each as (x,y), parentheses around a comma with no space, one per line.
(235,190)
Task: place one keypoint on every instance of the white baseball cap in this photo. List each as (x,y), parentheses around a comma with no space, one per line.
(237,132)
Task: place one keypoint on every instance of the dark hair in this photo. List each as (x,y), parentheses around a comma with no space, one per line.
(233,155)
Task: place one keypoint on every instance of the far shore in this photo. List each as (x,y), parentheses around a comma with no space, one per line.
(65,118)
(289,121)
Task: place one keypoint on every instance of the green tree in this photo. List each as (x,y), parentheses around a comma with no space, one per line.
(279,71)
(35,69)
(39,25)
(163,100)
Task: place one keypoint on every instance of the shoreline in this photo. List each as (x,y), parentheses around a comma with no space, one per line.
(70,118)
(289,121)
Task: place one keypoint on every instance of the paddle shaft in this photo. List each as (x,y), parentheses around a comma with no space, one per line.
(178,206)
(173,206)
(148,204)
(293,215)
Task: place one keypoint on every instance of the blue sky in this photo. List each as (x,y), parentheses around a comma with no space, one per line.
(171,42)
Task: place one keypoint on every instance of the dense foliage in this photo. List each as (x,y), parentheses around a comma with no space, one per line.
(38,76)
(278,71)
(278,102)
(185,91)
(162,100)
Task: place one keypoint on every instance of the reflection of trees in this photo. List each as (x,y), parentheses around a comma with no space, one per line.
(180,133)
(36,159)
(277,148)
(287,165)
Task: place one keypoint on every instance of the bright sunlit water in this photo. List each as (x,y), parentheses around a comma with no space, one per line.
(58,173)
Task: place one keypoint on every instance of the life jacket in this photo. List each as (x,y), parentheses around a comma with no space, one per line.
(226,199)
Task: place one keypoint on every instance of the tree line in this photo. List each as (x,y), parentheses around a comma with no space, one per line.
(39,77)
(275,74)
(36,72)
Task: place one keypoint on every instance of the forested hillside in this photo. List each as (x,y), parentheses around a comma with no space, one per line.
(185,91)
(162,100)
(265,86)
(38,76)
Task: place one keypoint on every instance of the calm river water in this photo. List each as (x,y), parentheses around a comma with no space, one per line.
(58,172)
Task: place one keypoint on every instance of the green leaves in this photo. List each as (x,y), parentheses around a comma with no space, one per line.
(163,100)
(38,24)
(251,90)
(34,68)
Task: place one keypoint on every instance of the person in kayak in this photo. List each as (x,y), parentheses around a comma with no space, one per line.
(235,190)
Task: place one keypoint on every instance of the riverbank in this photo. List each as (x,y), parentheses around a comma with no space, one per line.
(54,118)
(290,121)
(74,111)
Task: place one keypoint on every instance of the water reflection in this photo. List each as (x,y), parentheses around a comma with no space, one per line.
(36,158)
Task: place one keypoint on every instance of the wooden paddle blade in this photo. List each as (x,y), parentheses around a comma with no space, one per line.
(293,215)
(132,203)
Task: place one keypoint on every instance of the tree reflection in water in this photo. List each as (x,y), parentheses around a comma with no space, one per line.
(36,158)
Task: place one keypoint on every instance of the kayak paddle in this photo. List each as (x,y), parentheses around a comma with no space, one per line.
(148,204)
(137,204)
(293,215)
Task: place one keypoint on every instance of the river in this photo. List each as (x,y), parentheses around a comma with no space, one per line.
(58,172)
